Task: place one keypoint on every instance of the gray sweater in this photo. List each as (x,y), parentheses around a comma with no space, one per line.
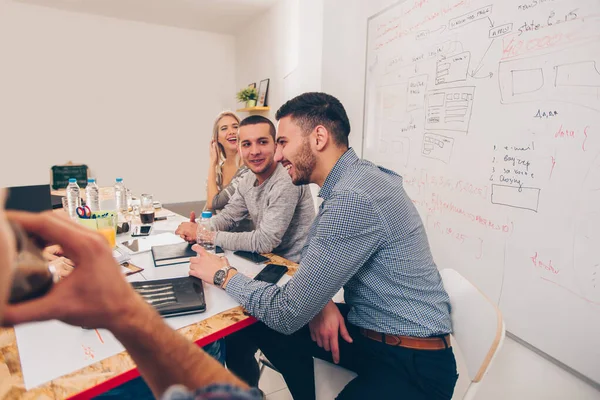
(281,211)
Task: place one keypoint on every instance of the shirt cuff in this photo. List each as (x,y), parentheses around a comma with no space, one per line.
(235,287)
(217,241)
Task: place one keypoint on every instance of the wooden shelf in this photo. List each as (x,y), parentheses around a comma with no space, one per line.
(253,109)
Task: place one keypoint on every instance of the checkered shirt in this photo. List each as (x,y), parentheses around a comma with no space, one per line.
(369,239)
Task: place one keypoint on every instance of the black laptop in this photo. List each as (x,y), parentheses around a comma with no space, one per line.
(30,198)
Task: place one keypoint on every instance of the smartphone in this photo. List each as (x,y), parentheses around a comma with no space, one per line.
(254,257)
(271,273)
(218,250)
(143,230)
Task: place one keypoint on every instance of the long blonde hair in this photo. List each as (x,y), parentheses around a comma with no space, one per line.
(220,149)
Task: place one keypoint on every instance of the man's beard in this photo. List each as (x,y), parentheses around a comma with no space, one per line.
(304,165)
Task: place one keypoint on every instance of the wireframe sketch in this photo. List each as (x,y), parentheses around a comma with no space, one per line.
(417,85)
(473,16)
(569,76)
(527,80)
(583,73)
(449,109)
(394,152)
(518,197)
(453,68)
(437,147)
(500,30)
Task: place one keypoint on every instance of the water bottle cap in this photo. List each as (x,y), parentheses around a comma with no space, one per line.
(91,180)
(72,180)
(119,179)
(206,214)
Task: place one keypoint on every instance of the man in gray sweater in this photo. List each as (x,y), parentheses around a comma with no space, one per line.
(281,211)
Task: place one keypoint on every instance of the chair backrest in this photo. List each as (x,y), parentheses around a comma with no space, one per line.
(476,321)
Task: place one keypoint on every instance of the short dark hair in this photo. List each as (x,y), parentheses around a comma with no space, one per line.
(259,119)
(314,108)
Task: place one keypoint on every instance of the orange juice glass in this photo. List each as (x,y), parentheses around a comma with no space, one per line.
(107,227)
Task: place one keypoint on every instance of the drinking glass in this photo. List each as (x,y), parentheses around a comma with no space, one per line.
(146,208)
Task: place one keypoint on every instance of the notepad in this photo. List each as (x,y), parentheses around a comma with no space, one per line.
(175,296)
(172,254)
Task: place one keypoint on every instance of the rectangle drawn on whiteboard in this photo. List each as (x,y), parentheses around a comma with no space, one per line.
(417,85)
(438,147)
(453,68)
(450,109)
(395,152)
(518,197)
(473,16)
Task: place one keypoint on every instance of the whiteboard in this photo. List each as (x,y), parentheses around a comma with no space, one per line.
(490,110)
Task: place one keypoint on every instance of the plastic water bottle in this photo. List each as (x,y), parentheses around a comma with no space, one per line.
(92,195)
(73,198)
(121,196)
(205,226)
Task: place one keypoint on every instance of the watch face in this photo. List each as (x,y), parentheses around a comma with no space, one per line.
(219,277)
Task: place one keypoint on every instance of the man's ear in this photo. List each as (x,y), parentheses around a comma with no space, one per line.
(321,137)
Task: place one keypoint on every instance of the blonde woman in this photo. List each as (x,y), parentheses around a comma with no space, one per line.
(226,168)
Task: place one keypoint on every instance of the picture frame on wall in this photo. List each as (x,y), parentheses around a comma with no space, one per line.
(252,85)
(263,92)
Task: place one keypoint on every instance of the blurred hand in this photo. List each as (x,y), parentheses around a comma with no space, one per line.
(205,265)
(94,295)
(325,327)
(63,266)
(53,252)
(8,253)
(214,153)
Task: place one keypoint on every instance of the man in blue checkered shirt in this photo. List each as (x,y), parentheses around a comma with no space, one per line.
(367,238)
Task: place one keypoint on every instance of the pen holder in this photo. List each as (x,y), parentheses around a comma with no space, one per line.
(105,222)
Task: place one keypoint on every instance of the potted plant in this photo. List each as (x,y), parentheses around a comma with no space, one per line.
(248,95)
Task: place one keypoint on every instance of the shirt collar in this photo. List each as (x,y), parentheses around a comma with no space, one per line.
(347,159)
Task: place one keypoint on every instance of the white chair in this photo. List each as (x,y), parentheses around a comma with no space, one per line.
(478,329)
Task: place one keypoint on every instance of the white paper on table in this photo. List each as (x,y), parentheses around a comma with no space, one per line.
(145,243)
(49,350)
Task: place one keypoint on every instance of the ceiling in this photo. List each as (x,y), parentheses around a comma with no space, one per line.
(219,16)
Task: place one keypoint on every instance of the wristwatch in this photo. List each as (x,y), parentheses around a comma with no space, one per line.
(221,275)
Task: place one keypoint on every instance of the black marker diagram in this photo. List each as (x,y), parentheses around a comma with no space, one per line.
(453,68)
(569,76)
(449,109)
(526,198)
(437,147)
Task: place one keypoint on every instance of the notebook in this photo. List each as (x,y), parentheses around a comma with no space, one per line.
(173,297)
(172,254)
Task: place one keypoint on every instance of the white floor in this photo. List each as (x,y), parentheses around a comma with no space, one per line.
(517,373)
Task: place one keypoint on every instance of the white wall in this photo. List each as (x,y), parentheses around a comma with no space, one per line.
(344,50)
(128,99)
(284,45)
(518,373)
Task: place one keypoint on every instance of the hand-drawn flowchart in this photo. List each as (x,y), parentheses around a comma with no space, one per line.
(502,153)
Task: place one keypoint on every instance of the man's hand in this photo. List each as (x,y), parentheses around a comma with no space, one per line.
(187,230)
(324,328)
(8,253)
(94,295)
(205,265)
(63,266)
(53,252)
